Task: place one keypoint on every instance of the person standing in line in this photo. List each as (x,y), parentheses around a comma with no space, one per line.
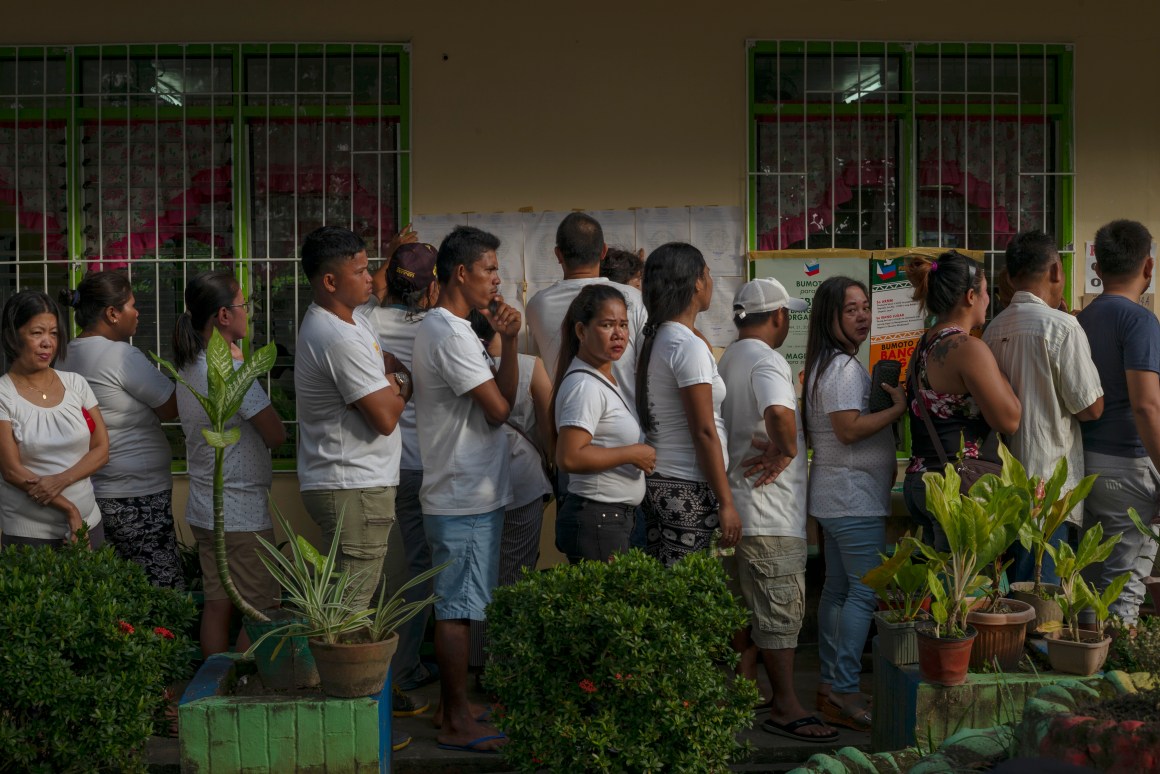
(1123,446)
(524,428)
(403,289)
(600,444)
(967,398)
(623,266)
(52,434)
(350,395)
(461,405)
(135,489)
(580,248)
(1044,354)
(678,397)
(849,487)
(214,301)
(768,569)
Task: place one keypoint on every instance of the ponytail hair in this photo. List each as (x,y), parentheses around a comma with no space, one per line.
(205,295)
(940,282)
(97,292)
(670,281)
(582,310)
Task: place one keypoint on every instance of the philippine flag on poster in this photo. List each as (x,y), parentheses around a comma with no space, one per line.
(813,267)
(887,270)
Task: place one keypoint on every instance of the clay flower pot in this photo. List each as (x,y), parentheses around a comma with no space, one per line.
(1085,657)
(293,665)
(1001,635)
(1047,610)
(943,660)
(350,670)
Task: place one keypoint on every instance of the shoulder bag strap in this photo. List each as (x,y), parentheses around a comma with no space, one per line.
(603,381)
(924,412)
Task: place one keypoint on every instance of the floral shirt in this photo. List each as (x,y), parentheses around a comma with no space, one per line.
(956,418)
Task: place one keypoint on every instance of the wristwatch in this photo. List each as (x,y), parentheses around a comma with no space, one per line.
(403,381)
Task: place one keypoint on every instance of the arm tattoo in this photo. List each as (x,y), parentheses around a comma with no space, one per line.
(942,349)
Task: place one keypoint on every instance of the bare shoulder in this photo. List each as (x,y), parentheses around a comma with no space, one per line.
(950,347)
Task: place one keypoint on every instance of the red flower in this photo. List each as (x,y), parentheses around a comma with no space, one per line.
(126,628)
(684,704)
(163,632)
(588,686)
(619,676)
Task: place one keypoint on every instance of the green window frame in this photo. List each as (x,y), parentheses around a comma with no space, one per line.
(928,95)
(287,135)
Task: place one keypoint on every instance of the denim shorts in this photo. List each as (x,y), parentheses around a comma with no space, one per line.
(471,543)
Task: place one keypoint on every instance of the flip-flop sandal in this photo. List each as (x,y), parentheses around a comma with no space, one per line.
(856,717)
(789,730)
(482,717)
(474,745)
(765,706)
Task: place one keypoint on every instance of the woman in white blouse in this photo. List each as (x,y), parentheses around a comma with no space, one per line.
(213,301)
(52,435)
(600,444)
(135,490)
(678,397)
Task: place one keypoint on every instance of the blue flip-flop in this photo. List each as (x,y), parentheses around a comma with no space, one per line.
(473,745)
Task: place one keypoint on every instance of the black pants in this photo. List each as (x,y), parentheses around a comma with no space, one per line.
(588,529)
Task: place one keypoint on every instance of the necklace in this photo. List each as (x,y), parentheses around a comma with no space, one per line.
(30,386)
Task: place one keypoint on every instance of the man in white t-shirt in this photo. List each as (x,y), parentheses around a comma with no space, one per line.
(579,249)
(1045,355)
(769,564)
(460,406)
(350,395)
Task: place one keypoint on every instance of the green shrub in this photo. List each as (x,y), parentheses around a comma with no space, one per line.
(619,667)
(1138,653)
(87,649)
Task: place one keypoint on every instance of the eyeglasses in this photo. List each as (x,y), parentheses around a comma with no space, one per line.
(244,305)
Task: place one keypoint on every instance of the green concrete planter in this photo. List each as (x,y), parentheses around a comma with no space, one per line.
(220,732)
(918,712)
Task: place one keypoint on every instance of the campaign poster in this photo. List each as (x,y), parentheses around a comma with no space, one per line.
(897,323)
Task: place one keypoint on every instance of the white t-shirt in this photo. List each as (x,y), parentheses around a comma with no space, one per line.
(246,469)
(465,459)
(525,468)
(680,359)
(757,377)
(396,328)
(546,312)
(50,440)
(336,364)
(128,388)
(592,403)
(854,479)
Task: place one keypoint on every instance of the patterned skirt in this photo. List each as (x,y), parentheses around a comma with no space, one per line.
(682,517)
(141,530)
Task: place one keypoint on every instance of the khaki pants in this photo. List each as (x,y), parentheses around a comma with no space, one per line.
(367,517)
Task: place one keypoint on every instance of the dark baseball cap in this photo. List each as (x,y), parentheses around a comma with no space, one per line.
(412,265)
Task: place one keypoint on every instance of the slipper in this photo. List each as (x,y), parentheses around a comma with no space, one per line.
(789,730)
(473,745)
(856,716)
(765,706)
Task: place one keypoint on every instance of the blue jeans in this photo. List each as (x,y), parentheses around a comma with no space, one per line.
(852,545)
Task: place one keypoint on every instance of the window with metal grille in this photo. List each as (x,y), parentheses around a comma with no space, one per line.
(165,160)
(880,145)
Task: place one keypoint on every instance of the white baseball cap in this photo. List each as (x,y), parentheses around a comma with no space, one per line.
(764,295)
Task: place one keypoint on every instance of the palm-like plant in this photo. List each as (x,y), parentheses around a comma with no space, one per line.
(1076,594)
(227,389)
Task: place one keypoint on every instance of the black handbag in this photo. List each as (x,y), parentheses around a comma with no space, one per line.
(969,469)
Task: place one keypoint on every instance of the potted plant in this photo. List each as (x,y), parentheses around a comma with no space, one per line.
(901,584)
(352,647)
(1049,509)
(979,527)
(1069,648)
